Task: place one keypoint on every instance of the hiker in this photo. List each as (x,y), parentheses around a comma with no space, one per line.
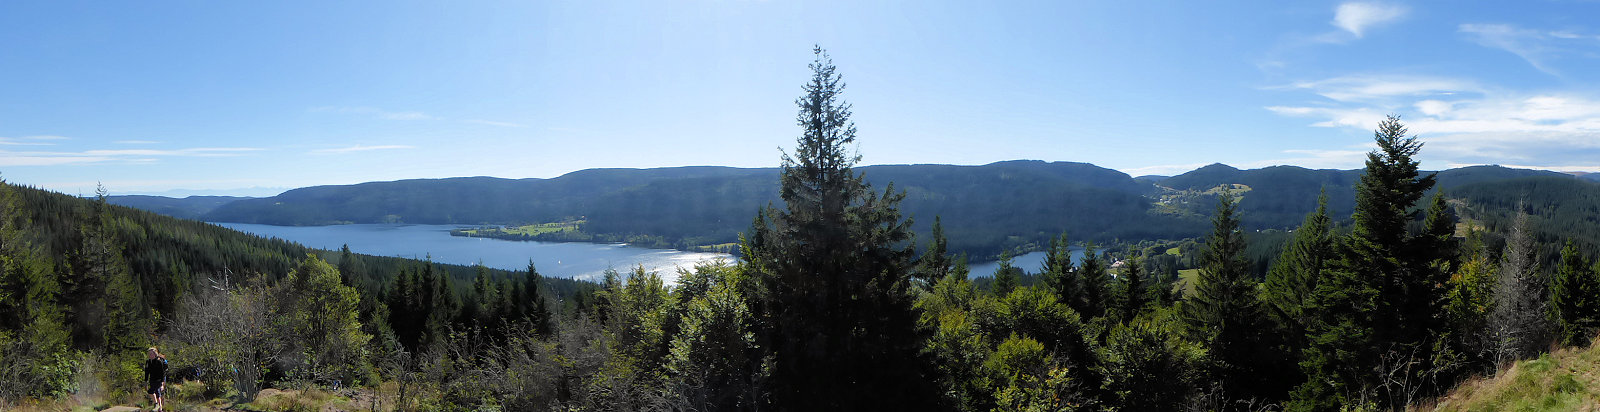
(155,375)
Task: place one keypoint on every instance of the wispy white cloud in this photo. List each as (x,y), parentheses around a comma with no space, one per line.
(360,148)
(1357,17)
(1378,87)
(375,112)
(58,158)
(1480,125)
(195,152)
(136,142)
(1542,49)
(494,123)
(31,140)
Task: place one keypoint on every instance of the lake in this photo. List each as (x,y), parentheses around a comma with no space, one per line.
(1028,262)
(586,261)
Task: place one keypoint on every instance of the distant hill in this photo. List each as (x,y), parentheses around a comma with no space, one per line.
(191,207)
(1012,205)
(985,208)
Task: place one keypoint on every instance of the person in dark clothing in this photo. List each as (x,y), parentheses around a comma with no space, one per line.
(155,376)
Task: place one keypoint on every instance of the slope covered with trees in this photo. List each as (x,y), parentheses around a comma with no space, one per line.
(1012,206)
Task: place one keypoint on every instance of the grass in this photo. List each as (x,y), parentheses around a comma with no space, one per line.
(1187,278)
(1564,380)
(527,230)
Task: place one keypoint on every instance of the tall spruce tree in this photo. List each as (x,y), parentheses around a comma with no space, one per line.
(1295,275)
(1095,281)
(1006,277)
(1378,246)
(836,263)
(1575,297)
(1224,313)
(1382,297)
(1058,275)
(534,302)
(1133,289)
(935,262)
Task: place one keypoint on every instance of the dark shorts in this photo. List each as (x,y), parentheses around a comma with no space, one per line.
(153,388)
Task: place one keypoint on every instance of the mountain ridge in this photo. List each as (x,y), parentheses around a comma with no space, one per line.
(1008,205)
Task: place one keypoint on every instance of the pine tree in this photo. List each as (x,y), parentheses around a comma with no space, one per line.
(1224,314)
(1575,297)
(1005,277)
(1133,289)
(1095,280)
(537,310)
(1058,275)
(836,268)
(1379,241)
(348,271)
(482,310)
(935,262)
(33,342)
(1295,275)
(1382,295)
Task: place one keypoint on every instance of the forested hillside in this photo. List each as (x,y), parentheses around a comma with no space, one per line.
(191,207)
(1012,206)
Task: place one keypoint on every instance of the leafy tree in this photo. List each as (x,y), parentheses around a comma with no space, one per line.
(836,265)
(715,360)
(1575,297)
(1148,366)
(324,314)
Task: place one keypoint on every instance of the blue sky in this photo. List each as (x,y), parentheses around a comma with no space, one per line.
(222,97)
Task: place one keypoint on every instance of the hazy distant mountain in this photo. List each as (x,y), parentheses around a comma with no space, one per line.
(984,208)
(191,207)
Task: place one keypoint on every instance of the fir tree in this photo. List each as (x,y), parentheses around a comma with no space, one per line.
(1224,314)
(1295,275)
(1575,297)
(1133,289)
(836,269)
(537,310)
(1095,280)
(1058,275)
(1382,295)
(1005,277)
(935,262)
